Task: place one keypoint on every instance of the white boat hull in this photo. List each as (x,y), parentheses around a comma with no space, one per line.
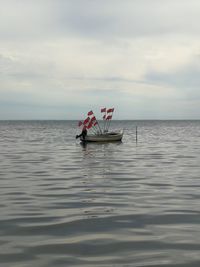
(106,137)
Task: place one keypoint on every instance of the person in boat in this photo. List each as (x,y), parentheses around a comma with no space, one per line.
(83,133)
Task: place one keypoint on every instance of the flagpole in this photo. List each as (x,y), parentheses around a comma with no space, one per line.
(107,122)
(93,130)
(110,121)
(96,128)
(99,126)
(103,110)
(104,123)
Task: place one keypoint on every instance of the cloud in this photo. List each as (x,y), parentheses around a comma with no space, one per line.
(70,55)
(129,19)
(25,20)
(96,19)
(186,79)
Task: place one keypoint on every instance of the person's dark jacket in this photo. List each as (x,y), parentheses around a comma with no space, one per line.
(83,134)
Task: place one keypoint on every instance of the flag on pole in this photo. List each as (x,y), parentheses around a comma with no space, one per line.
(90,125)
(103,110)
(90,113)
(93,119)
(110,110)
(86,121)
(80,123)
(109,117)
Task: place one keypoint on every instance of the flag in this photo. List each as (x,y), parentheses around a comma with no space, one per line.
(86,121)
(80,123)
(110,110)
(90,125)
(109,117)
(93,119)
(103,110)
(90,113)
(95,123)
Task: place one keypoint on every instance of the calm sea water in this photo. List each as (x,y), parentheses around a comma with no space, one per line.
(115,204)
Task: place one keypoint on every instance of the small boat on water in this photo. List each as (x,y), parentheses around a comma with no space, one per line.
(104,137)
(92,131)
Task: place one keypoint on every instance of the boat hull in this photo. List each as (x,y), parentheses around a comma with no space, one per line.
(107,137)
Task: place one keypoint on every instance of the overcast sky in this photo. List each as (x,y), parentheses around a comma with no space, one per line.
(61,58)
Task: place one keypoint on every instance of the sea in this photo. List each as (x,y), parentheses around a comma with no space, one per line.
(129,203)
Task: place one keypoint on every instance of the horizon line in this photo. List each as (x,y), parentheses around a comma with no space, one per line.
(177,119)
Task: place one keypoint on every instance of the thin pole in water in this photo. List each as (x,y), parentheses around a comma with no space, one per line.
(136,134)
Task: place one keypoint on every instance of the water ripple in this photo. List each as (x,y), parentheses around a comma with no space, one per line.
(117,204)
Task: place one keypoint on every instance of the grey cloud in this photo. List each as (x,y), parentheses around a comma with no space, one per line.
(41,63)
(111,79)
(97,19)
(25,19)
(130,18)
(17,68)
(186,79)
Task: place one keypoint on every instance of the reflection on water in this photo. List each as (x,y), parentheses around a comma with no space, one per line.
(65,203)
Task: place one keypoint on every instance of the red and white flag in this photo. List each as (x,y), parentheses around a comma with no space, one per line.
(80,123)
(90,113)
(86,121)
(109,117)
(103,110)
(90,124)
(93,119)
(110,110)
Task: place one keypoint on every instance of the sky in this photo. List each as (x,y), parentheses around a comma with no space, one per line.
(62,58)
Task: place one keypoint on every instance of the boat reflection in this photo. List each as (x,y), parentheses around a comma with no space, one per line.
(85,145)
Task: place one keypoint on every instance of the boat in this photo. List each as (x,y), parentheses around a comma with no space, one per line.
(103,137)
(92,131)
